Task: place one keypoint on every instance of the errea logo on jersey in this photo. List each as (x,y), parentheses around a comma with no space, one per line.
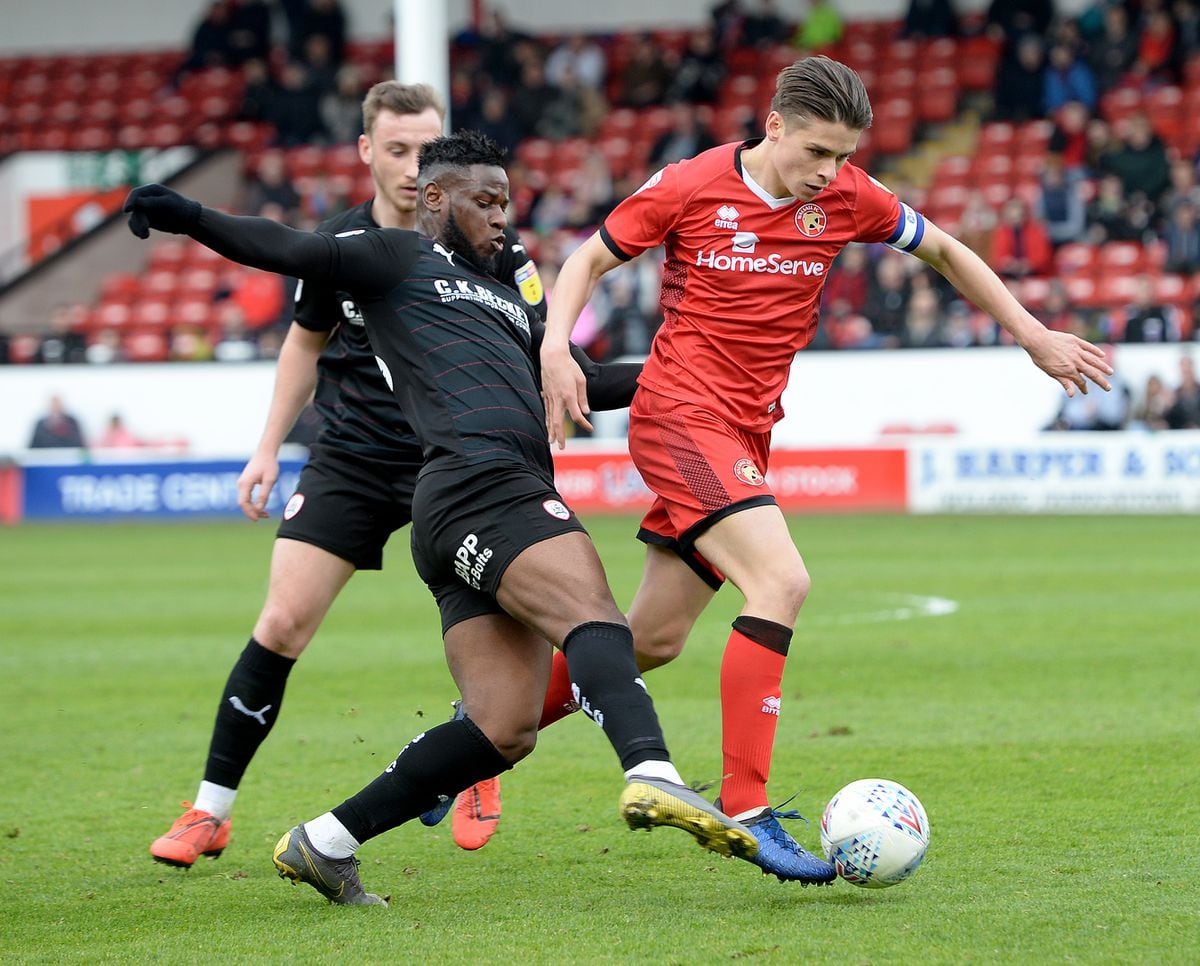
(727,217)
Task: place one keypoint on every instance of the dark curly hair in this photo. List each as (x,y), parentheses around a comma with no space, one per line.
(459,150)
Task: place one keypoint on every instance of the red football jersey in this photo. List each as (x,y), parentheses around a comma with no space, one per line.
(743,274)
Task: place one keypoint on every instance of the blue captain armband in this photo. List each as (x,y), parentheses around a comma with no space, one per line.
(909,231)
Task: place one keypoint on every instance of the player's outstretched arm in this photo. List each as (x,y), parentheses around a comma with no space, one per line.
(564,387)
(1068,359)
(295,380)
(364,262)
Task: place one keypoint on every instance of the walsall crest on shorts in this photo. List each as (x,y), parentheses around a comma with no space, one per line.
(747,472)
(811,220)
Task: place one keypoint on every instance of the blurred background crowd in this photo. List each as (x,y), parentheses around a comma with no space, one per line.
(1064,149)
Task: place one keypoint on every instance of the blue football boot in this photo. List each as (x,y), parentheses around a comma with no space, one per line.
(781,855)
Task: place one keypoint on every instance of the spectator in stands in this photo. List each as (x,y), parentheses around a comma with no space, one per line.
(1060,205)
(234,342)
(249,31)
(1112,54)
(503,51)
(583,58)
(1184,412)
(1057,311)
(629,328)
(295,108)
(258,91)
(57,429)
(572,110)
(105,348)
(530,97)
(1186,14)
(1146,320)
(977,225)
(1097,411)
(1067,78)
(701,70)
(341,108)
(686,137)
(1110,216)
(496,120)
(117,435)
(764,27)
(1010,20)
(318,64)
(1183,186)
(1100,144)
(1182,236)
(64,342)
(847,329)
(324,17)
(551,209)
(1068,140)
(189,343)
(1020,88)
(887,300)
(822,28)
(958,326)
(849,278)
(1021,245)
(646,76)
(728,21)
(1139,160)
(594,189)
(923,321)
(270,185)
(1150,411)
(930,18)
(211,41)
(1157,60)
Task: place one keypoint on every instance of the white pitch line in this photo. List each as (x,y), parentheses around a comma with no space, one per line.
(907,607)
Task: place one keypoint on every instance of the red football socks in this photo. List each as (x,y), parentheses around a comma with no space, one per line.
(751,676)
(559,700)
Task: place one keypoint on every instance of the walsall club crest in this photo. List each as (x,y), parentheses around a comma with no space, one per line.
(747,472)
(811,220)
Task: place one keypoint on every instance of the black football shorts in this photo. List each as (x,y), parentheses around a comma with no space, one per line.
(349,504)
(470,523)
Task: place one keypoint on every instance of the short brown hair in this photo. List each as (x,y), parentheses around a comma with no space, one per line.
(822,89)
(390,95)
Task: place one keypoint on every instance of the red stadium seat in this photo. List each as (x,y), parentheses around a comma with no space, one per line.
(146,346)
(1117,256)
(1075,258)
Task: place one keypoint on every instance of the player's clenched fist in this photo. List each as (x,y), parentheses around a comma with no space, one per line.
(157,206)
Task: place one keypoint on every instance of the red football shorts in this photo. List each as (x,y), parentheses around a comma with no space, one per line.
(698,466)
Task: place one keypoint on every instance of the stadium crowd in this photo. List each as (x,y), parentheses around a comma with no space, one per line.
(1108,177)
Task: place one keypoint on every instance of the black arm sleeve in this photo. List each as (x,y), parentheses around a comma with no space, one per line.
(368,262)
(610,385)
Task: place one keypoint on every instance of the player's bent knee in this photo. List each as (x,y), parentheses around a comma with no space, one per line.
(516,744)
(656,648)
(280,630)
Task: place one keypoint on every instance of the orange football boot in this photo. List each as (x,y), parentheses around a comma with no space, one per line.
(476,814)
(195,833)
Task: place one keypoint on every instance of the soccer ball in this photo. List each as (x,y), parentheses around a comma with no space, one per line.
(875,832)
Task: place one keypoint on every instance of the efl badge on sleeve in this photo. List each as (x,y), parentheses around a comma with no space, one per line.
(529,283)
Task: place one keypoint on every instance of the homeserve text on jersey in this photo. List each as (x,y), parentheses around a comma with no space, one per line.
(773,264)
(473,292)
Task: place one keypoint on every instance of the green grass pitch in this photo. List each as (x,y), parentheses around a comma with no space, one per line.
(1049,725)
